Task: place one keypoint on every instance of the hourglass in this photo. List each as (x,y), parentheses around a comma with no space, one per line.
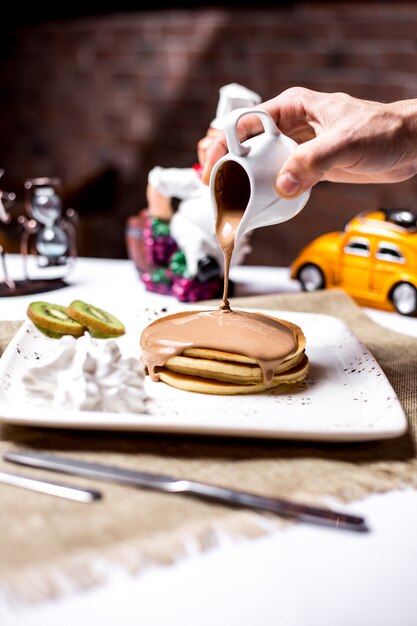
(48,243)
(7,284)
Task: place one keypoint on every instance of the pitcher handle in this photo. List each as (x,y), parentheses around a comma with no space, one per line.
(232,139)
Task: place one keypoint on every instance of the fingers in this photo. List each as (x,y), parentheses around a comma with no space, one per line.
(248,126)
(289,185)
(314,161)
(304,116)
(288,112)
(303,169)
(214,152)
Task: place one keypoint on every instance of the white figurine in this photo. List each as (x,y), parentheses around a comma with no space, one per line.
(7,198)
(192,225)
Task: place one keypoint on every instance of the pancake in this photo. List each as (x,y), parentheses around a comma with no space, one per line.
(229,371)
(200,384)
(264,352)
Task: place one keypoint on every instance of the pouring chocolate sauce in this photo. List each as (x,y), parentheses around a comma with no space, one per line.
(242,183)
(244,197)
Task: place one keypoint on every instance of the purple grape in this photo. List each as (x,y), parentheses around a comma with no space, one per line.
(161,249)
(150,285)
(191,290)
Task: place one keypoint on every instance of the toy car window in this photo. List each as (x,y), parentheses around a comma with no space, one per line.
(358,246)
(389,252)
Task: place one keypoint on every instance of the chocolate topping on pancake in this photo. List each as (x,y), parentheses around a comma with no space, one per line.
(263,339)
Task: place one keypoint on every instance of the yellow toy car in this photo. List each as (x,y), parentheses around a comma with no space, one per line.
(374,260)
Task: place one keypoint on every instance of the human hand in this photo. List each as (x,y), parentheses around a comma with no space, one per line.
(204,143)
(341,139)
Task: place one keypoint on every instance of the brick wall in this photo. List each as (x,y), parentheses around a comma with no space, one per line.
(99,100)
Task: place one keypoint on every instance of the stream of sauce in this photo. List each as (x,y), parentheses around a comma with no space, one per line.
(259,337)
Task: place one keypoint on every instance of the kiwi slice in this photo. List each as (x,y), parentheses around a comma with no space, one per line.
(53,319)
(48,333)
(98,322)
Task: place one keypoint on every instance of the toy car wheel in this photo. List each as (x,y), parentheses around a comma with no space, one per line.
(311,277)
(404,298)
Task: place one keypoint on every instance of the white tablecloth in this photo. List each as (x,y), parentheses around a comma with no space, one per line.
(300,576)
(115,283)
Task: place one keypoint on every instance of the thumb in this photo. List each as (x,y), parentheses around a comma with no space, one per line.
(307,165)
(216,149)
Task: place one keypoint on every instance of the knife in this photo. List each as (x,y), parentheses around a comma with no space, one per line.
(169,484)
(52,488)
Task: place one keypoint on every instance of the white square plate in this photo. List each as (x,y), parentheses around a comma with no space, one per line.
(345,396)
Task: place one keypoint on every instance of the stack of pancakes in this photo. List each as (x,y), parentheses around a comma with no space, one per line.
(215,372)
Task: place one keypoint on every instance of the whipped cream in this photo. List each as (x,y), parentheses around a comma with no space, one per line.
(89,375)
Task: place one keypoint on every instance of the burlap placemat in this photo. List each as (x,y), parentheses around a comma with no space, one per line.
(50,545)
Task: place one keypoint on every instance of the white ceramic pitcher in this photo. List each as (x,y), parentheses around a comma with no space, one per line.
(244,179)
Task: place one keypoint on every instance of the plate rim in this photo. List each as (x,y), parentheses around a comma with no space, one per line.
(147,422)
